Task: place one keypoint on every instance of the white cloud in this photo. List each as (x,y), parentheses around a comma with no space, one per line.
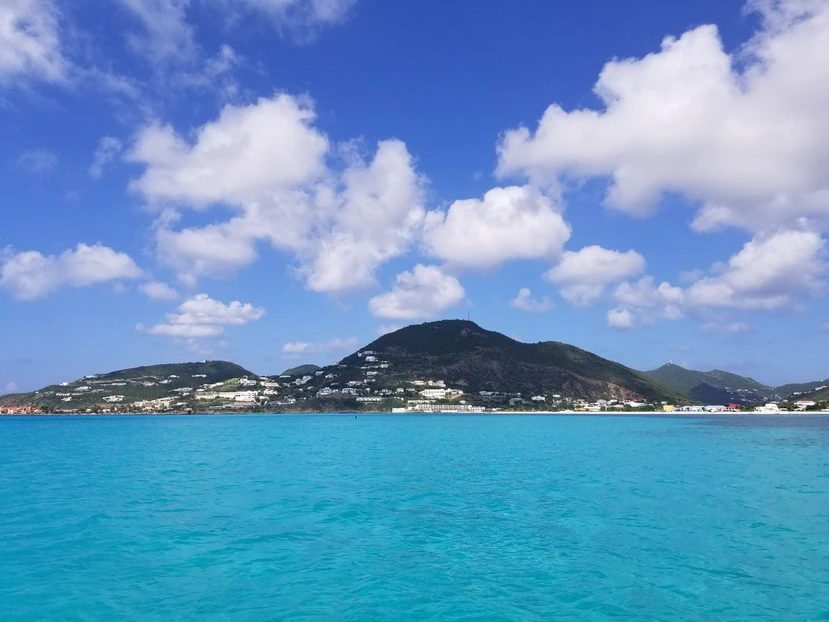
(30,45)
(156,290)
(746,135)
(11,387)
(516,222)
(583,275)
(297,349)
(217,74)
(422,293)
(37,161)
(620,318)
(201,317)
(268,163)
(644,302)
(246,154)
(525,302)
(108,149)
(301,20)
(167,36)
(29,275)
(215,250)
(378,214)
(770,272)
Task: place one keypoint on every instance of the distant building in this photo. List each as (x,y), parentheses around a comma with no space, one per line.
(445,408)
(804,404)
(771,407)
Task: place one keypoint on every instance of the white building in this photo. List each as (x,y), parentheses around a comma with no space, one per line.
(447,408)
(771,407)
(245,396)
(439,394)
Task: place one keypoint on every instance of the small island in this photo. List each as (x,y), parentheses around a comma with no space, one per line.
(450,366)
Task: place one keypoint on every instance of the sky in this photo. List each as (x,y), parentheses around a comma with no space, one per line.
(276,182)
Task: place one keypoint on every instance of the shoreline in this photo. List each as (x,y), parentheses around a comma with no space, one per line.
(546,413)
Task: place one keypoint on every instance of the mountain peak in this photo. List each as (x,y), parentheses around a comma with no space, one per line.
(441,337)
(468,356)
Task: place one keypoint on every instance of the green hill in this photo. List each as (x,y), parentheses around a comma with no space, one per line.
(134,384)
(474,359)
(711,387)
(301,370)
(820,394)
(798,388)
(722,387)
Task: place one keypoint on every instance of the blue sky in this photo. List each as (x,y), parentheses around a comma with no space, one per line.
(280,181)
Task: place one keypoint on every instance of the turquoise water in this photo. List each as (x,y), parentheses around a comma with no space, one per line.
(414,517)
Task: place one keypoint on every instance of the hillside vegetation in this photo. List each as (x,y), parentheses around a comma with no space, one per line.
(722,387)
(134,384)
(474,359)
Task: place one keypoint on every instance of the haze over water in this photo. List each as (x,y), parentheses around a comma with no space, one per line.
(414,517)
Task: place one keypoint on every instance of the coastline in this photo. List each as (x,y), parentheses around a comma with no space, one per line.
(547,413)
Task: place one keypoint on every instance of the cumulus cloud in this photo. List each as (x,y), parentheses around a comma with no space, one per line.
(156,290)
(378,214)
(108,149)
(620,318)
(30,43)
(525,302)
(297,349)
(29,275)
(650,301)
(583,275)
(268,163)
(745,135)
(201,317)
(770,272)
(516,222)
(424,292)
(37,161)
(246,154)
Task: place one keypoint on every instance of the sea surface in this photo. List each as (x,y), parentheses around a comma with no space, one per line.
(403,517)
